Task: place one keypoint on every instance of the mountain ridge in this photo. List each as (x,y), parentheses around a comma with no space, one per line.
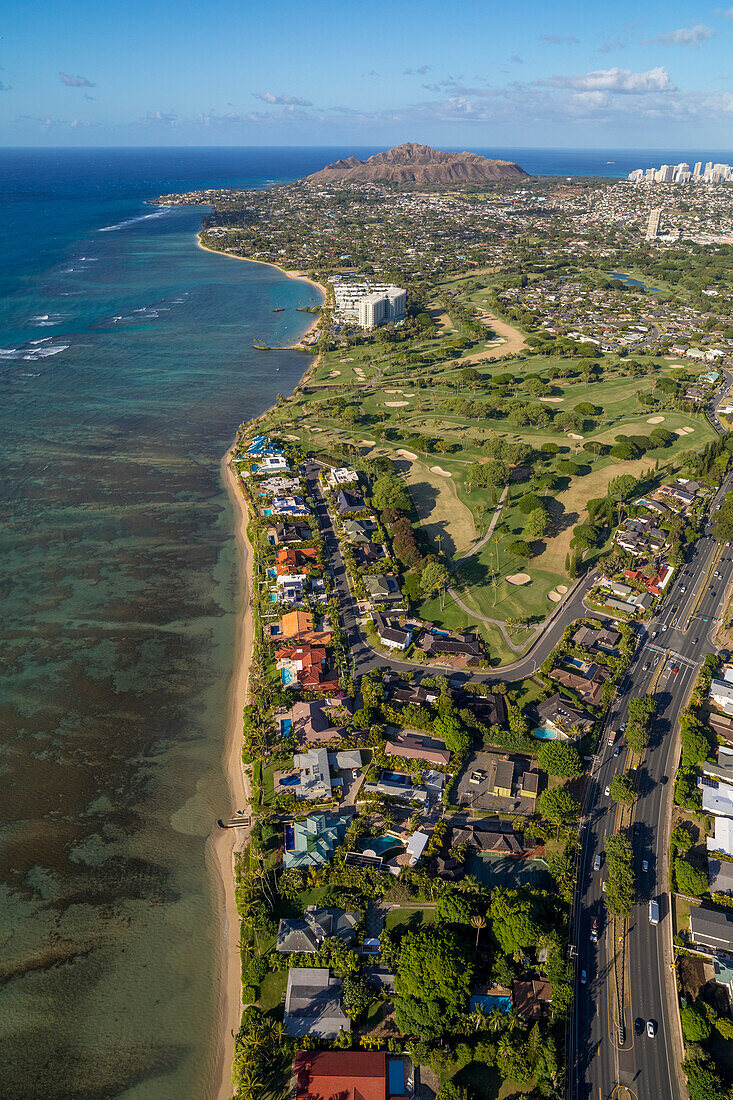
(418,165)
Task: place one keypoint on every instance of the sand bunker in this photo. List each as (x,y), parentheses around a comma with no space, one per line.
(655,420)
(688,431)
(407,454)
(396,404)
(680,431)
(393,391)
(368,442)
(562,588)
(518,578)
(358,371)
(348,359)
(555,597)
(572,435)
(292,438)
(553,400)
(334,374)
(441,471)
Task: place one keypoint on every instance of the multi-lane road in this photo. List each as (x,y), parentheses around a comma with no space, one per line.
(603,1061)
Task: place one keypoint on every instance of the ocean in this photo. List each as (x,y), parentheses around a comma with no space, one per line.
(125,368)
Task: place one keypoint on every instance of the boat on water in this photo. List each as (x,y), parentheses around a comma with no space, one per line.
(279,309)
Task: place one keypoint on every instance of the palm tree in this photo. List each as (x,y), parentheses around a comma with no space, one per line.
(496,1019)
(478,922)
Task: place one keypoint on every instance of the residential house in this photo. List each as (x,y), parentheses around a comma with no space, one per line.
(344,475)
(417,746)
(722,771)
(341,1075)
(359,530)
(389,635)
(491,708)
(717,798)
(305,666)
(283,533)
(414,695)
(712,928)
(591,638)
(722,726)
(532,999)
(396,785)
(277,486)
(462,645)
(721,694)
(415,847)
(288,506)
(313,1004)
(384,589)
(501,777)
(722,839)
(478,836)
(588,688)
(297,626)
(561,716)
(316,783)
(348,502)
(305,935)
(312,843)
(723,969)
(291,560)
(315,720)
(720,876)
(290,587)
(529,785)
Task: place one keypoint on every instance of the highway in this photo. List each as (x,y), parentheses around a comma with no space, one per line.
(601,1060)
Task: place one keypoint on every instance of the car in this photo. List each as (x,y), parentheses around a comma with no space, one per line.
(611,739)
(638,1025)
(622,726)
(646,667)
(583,977)
(664,626)
(654,633)
(645,865)
(617,750)
(683,588)
(675,669)
(651,1028)
(594,930)
(597,862)
(603,886)
(712,591)
(695,641)
(608,789)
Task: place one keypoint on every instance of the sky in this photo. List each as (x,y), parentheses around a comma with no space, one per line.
(471,73)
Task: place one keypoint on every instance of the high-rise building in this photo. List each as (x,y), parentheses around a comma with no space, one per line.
(368,304)
(652,228)
(697,171)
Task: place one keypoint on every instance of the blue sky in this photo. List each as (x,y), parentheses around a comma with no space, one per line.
(475,73)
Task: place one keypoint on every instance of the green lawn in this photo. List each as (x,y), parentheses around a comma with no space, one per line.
(409,919)
(271,990)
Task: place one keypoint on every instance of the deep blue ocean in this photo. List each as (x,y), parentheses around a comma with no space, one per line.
(125,368)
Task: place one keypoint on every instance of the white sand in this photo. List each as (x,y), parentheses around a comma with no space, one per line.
(407,454)
(359,371)
(553,400)
(562,588)
(680,431)
(334,374)
(393,391)
(396,404)
(655,420)
(688,431)
(555,597)
(518,579)
(441,471)
(348,359)
(368,442)
(572,435)
(292,438)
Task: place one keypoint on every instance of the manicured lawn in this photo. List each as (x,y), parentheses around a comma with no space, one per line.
(682,909)
(409,919)
(271,990)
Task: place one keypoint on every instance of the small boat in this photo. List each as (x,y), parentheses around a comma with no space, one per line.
(279,309)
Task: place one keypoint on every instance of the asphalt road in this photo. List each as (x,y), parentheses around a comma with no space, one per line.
(599,1061)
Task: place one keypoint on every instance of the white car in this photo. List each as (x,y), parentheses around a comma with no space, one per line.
(608,789)
(651,1028)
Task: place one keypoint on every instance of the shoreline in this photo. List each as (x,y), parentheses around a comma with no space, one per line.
(283,271)
(222,844)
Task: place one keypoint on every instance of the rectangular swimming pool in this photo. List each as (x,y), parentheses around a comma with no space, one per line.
(395,1077)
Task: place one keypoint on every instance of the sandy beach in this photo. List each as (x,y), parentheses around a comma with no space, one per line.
(224,843)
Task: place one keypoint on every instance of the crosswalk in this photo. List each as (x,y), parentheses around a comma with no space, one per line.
(676,657)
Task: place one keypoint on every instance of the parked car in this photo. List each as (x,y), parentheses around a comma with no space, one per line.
(617,750)
(645,864)
(608,790)
(583,977)
(594,930)
(638,1025)
(651,1028)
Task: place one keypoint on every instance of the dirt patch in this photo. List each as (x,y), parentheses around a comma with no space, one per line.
(688,431)
(439,470)
(518,579)
(348,359)
(396,404)
(440,318)
(655,420)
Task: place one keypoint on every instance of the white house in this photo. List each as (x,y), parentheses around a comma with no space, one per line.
(721,693)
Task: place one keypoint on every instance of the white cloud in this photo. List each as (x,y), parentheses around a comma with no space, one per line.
(619,81)
(282,98)
(685,36)
(559,39)
(75,81)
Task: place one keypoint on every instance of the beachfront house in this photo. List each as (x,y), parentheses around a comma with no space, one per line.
(313,1004)
(306,934)
(312,843)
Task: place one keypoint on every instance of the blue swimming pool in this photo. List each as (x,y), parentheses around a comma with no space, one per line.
(397,778)
(286,724)
(289,838)
(489,1001)
(575,662)
(395,1077)
(287,676)
(544,735)
(380,845)
(268,511)
(290,781)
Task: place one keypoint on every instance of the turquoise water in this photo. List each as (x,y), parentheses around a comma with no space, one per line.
(380,845)
(544,735)
(633,282)
(395,1077)
(119,599)
(489,1001)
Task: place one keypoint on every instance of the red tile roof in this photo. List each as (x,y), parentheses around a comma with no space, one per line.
(340,1075)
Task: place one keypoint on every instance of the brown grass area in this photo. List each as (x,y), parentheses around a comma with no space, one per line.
(441,318)
(440,509)
(512,337)
(573,501)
